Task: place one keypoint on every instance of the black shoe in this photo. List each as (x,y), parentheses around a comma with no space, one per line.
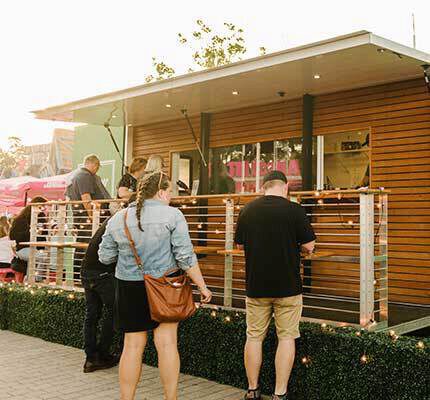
(99,364)
(253,394)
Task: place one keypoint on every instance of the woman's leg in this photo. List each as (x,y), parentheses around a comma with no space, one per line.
(130,365)
(166,342)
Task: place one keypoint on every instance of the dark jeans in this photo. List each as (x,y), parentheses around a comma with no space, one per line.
(99,292)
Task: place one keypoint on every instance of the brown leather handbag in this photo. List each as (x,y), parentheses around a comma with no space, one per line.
(170,298)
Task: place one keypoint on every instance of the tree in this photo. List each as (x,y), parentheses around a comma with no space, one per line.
(10,158)
(209,49)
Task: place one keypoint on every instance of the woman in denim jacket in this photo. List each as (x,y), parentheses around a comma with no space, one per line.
(163,242)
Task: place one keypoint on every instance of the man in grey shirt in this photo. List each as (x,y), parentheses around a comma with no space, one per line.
(86,186)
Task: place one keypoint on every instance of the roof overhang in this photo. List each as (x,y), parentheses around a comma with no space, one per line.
(356,60)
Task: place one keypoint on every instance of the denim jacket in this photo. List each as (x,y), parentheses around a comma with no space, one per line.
(164,243)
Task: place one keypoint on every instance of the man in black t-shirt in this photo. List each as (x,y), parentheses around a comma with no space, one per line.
(273,231)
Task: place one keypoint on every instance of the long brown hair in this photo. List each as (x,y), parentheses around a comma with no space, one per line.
(4,226)
(26,211)
(148,188)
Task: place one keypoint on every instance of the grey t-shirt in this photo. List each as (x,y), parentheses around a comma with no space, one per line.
(85,182)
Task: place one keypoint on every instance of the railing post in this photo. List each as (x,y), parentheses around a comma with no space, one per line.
(383,254)
(60,268)
(96,217)
(228,261)
(31,266)
(367,259)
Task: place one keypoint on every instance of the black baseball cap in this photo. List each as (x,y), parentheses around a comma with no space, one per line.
(275,176)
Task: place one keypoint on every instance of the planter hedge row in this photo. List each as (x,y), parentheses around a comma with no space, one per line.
(331,363)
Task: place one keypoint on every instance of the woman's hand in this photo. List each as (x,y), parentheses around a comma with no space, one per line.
(205,294)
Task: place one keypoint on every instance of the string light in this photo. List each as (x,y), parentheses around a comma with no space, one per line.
(213,314)
(32,292)
(392,333)
(228,318)
(305,360)
(320,201)
(194,201)
(358,333)
(350,222)
(217,232)
(199,226)
(323,325)
(420,344)
(71,296)
(237,207)
(364,359)
(224,201)
(184,206)
(56,291)
(317,194)
(339,196)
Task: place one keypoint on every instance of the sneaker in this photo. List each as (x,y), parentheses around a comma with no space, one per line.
(254,394)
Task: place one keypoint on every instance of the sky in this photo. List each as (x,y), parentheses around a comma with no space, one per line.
(56,51)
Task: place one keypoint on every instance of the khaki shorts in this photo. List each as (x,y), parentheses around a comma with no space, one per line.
(286,310)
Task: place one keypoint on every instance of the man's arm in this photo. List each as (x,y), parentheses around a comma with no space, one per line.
(309,247)
(86,198)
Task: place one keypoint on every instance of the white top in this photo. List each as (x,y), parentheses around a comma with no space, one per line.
(6,252)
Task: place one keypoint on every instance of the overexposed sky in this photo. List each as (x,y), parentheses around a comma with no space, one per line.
(55,51)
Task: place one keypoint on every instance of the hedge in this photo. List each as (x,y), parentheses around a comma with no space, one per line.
(329,363)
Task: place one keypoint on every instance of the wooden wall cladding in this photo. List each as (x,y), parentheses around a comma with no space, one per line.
(398,116)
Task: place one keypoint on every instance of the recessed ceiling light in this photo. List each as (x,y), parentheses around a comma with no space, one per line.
(168,105)
(114,116)
(129,124)
(235,92)
(317,76)
(380,50)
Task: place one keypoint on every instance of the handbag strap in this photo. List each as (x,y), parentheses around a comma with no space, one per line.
(131,242)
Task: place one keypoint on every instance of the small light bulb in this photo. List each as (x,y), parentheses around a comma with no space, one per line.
(217,232)
(317,76)
(237,207)
(194,201)
(350,222)
(234,92)
(213,314)
(320,201)
(55,291)
(71,296)
(305,360)
(184,206)
(358,333)
(199,226)
(323,325)
(420,344)
(363,359)
(227,318)
(32,291)
(317,193)
(168,105)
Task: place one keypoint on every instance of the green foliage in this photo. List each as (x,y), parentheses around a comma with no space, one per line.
(10,158)
(208,49)
(212,347)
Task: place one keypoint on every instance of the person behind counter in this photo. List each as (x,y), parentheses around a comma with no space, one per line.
(128,183)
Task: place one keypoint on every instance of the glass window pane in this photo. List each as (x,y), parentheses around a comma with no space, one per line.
(288,159)
(226,170)
(250,166)
(346,160)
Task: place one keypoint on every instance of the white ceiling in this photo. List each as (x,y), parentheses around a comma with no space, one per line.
(346,62)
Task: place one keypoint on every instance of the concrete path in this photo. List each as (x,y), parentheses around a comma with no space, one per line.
(32,369)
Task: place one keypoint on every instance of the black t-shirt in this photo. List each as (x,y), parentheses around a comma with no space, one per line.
(272,229)
(128,181)
(91,264)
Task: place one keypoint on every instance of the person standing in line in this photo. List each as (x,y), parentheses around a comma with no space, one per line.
(273,231)
(99,285)
(85,186)
(129,181)
(162,240)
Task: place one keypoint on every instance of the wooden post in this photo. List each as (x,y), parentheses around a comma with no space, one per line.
(31,266)
(228,261)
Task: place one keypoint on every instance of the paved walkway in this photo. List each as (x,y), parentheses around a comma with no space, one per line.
(32,369)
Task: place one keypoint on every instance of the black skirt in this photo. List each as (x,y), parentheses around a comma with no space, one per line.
(132,307)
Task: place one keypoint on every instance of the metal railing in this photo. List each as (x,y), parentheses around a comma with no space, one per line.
(345,282)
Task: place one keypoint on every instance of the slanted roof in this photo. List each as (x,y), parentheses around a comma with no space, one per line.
(356,60)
